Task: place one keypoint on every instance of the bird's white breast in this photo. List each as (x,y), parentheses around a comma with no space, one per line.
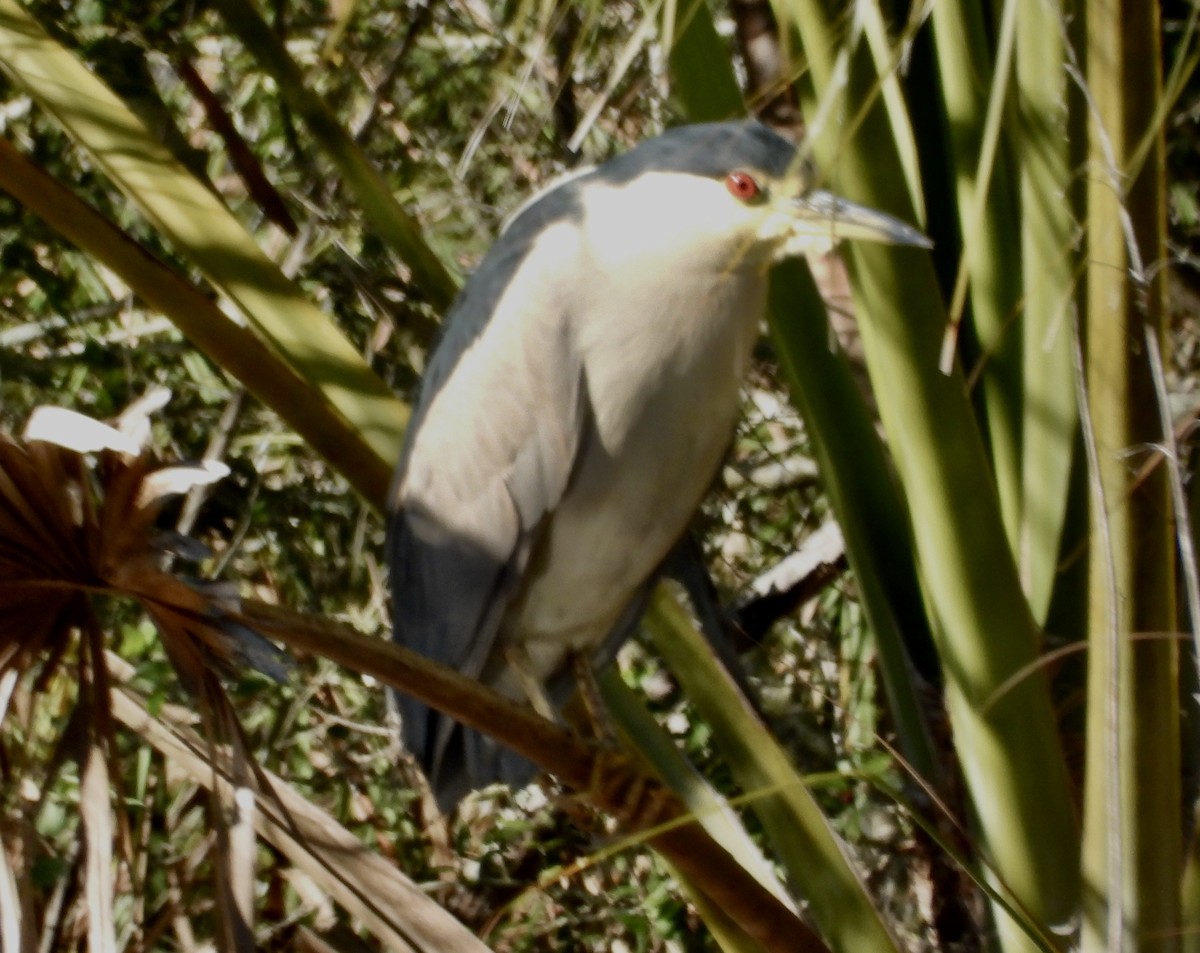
(663,358)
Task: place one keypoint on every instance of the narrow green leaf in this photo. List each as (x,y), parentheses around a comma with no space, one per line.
(700,64)
(712,811)
(1190,890)
(1009,748)
(797,830)
(1132,848)
(1050,262)
(987,205)
(228,344)
(865,500)
(887,62)
(200,227)
(375,198)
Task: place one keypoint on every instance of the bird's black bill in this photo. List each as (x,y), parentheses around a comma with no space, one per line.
(824,213)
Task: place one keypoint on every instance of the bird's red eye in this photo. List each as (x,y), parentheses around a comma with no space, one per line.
(742,185)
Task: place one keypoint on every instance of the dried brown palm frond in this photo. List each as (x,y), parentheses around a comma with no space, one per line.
(79,504)
(79,500)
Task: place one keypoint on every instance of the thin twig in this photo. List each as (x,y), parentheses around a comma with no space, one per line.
(1170,452)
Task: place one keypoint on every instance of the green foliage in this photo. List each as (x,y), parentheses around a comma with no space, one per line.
(952,522)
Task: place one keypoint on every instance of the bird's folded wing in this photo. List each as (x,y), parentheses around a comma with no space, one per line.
(490,460)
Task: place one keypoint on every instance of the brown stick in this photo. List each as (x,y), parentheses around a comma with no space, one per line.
(606,777)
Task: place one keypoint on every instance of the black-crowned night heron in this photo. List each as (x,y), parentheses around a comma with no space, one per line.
(579,405)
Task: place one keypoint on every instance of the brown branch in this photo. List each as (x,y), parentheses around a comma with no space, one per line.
(241,156)
(609,779)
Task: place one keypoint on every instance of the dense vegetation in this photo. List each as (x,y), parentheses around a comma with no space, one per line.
(222,207)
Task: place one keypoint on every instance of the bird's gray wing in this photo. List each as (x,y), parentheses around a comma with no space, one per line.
(488,456)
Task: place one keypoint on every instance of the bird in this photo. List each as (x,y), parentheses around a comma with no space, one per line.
(577,408)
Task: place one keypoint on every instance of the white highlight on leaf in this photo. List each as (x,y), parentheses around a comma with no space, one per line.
(77,432)
(170,481)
